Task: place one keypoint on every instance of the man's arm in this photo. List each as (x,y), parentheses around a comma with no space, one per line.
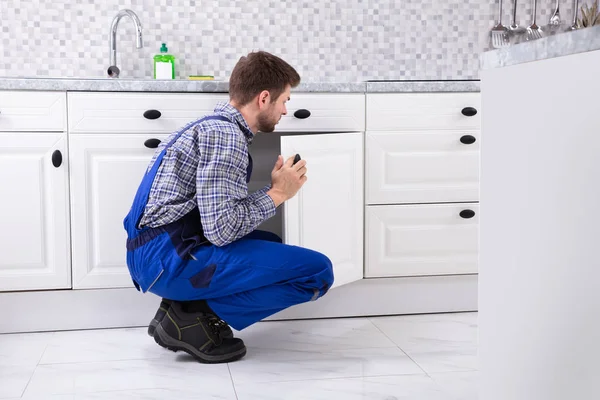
(227,212)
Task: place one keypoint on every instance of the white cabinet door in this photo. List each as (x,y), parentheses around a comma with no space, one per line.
(34,212)
(422,166)
(106,170)
(415,240)
(327,213)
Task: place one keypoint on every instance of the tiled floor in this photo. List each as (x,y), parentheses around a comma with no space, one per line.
(420,357)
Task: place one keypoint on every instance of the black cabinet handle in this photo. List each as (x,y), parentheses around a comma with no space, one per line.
(152,143)
(57,158)
(302,113)
(467,139)
(466,214)
(152,114)
(469,111)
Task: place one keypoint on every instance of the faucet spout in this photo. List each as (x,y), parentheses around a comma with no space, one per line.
(114,72)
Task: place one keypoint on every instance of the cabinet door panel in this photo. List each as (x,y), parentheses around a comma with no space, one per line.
(422,166)
(34,210)
(327,213)
(415,240)
(106,171)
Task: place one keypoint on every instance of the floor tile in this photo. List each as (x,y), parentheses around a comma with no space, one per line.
(315,335)
(181,372)
(25,349)
(147,394)
(267,365)
(349,359)
(14,379)
(460,385)
(465,359)
(431,332)
(405,387)
(102,345)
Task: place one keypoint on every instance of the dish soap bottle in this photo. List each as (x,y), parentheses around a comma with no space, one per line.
(164,64)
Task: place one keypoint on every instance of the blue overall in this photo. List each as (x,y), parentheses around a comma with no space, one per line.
(243,282)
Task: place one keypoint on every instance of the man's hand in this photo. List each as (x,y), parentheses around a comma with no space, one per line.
(286,179)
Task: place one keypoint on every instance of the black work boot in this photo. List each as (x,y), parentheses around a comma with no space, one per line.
(160,314)
(164,307)
(198,334)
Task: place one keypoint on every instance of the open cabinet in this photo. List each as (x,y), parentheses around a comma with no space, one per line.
(327,213)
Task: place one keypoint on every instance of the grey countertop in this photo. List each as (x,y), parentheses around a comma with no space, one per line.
(563,44)
(421,86)
(151,85)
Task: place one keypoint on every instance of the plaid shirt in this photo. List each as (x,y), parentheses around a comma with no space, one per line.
(207,167)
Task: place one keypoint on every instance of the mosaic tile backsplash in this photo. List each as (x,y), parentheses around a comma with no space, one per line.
(325,40)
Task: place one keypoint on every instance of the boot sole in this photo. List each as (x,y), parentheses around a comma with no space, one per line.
(152,327)
(163,339)
(154,323)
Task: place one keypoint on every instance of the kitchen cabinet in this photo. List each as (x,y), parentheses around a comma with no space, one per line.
(422,239)
(34,210)
(101,113)
(106,170)
(327,213)
(34,206)
(385,199)
(423,111)
(428,166)
(422,180)
(107,167)
(22,111)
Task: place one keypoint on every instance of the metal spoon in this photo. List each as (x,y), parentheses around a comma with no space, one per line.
(575,25)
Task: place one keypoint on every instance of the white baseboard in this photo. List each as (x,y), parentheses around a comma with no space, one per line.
(57,310)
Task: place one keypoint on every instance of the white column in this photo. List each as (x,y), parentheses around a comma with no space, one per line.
(539,282)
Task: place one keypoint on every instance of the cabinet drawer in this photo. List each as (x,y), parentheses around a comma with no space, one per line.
(124,112)
(422,166)
(32,111)
(413,111)
(417,240)
(328,113)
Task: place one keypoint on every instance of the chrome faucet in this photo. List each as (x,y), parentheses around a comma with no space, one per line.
(113,70)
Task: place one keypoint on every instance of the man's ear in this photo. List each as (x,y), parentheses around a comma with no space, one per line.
(264,98)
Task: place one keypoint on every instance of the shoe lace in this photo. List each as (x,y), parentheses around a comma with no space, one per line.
(216,324)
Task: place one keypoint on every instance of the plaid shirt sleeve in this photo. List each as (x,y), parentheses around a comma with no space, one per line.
(227,212)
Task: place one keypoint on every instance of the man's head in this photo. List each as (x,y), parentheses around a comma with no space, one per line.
(261,83)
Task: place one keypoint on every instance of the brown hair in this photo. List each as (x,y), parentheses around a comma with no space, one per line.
(260,71)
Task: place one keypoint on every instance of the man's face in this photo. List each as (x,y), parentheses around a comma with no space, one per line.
(271,114)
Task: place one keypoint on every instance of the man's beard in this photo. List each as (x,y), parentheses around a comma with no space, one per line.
(265,124)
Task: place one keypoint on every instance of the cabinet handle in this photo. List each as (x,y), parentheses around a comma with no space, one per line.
(469,111)
(467,139)
(152,143)
(302,113)
(467,214)
(152,114)
(57,158)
